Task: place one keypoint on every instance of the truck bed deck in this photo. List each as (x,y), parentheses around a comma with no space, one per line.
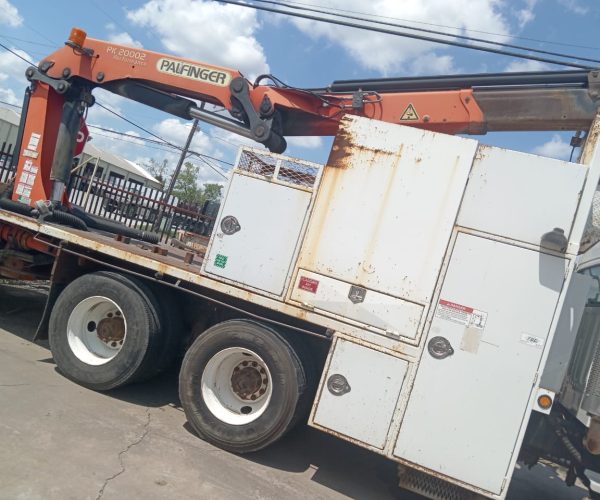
(170,255)
(165,260)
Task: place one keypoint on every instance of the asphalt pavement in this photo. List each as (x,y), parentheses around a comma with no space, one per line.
(61,441)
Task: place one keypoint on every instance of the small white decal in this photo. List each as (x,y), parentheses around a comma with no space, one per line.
(30,154)
(532,340)
(34,140)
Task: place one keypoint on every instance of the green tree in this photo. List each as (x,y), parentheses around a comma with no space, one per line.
(212,192)
(186,185)
(160,171)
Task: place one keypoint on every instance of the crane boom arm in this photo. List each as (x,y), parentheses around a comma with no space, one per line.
(62,85)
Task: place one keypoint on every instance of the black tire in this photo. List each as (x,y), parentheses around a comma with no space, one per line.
(289,381)
(137,359)
(172,326)
(167,313)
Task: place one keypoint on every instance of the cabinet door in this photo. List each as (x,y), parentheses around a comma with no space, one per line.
(505,184)
(466,410)
(368,386)
(384,218)
(256,245)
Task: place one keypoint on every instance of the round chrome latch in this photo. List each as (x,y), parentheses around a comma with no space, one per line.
(439,348)
(338,385)
(230,225)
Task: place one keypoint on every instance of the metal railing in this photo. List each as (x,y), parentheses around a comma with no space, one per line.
(6,172)
(129,203)
(138,206)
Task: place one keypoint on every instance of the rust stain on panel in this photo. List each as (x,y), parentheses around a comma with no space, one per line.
(341,150)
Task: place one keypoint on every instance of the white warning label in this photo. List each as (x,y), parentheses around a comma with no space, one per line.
(463,315)
(34,140)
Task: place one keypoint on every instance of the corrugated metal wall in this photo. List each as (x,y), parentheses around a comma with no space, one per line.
(8,132)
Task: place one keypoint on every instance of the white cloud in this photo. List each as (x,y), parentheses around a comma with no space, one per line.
(121,38)
(554,148)
(574,6)
(209,174)
(206,31)
(430,63)
(525,65)
(115,142)
(307,142)
(176,132)
(8,96)
(13,67)
(205,173)
(232,141)
(525,15)
(389,54)
(9,14)
(114,102)
(12,75)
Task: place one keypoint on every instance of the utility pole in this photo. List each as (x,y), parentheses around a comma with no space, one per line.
(169,191)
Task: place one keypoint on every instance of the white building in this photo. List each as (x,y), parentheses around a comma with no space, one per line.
(110,168)
(9,126)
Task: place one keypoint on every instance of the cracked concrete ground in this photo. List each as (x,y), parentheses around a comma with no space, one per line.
(61,441)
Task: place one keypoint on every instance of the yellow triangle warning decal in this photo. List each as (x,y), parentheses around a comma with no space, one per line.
(410,114)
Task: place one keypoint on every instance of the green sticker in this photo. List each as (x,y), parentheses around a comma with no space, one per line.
(220,260)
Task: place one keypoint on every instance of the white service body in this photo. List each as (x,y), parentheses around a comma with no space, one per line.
(431,253)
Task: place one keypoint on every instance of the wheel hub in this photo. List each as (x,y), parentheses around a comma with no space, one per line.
(249,381)
(111,331)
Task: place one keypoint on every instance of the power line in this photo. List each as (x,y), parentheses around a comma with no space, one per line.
(202,156)
(9,104)
(158,137)
(42,35)
(136,125)
(550,42)
(16,54)
(405,34)
(125,134)
(132,142)
(210,165)
(31,42)
(146,139)
(117,23)
(423,30)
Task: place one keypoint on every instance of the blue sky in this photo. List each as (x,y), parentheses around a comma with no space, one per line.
(301,53)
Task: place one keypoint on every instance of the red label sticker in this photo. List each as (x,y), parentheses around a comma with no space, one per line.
(464,315)
(308,284)
(458,307)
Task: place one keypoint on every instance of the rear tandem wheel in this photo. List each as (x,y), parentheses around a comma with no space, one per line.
(243,386)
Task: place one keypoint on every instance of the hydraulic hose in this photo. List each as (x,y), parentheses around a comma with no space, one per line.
(65,219)
(15,206)
(109,226)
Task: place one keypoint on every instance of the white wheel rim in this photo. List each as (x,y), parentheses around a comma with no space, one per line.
(236,386)
(96,330)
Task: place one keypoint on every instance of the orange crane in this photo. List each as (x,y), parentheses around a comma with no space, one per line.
(62,85)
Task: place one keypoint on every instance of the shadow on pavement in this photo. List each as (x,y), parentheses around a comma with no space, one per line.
(159,391)
(21,309)
(338,465)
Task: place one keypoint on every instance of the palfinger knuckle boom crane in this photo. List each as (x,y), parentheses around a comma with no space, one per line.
(418,293)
